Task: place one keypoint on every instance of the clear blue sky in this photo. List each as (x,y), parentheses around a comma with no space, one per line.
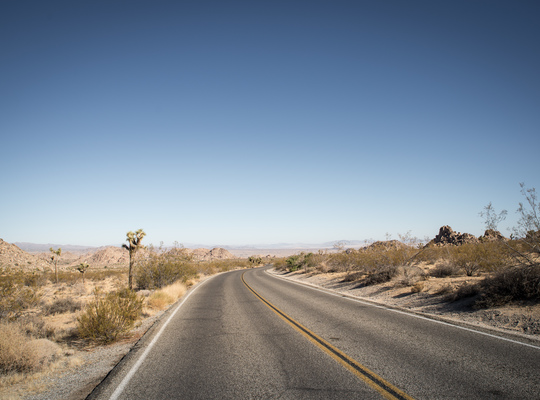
(251,122)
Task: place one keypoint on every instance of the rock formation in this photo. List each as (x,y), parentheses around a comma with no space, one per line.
(491,235)
(447,236)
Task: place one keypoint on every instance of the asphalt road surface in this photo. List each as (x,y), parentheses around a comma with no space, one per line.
(250,335)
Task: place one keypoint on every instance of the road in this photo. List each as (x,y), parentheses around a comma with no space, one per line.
(250,335)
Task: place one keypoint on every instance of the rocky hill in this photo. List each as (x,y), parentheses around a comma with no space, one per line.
(216,253)
(105,256)
(14,258)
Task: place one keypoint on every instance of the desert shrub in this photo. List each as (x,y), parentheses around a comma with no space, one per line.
(280,264)
(255,260)
(353,276)
(15,296)
(512,284)
(409,275)
(380,275)
(61,306)
(162,268)
(417,287)
(17,353)
(35,326)
(64,276)
(108,316)
(34,279)
(294,262)
(443,290)
(444,269)
(464,291)
(475,257)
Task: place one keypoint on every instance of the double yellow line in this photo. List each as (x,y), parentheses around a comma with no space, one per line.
(386,389)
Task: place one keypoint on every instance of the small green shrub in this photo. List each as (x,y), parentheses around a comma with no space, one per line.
(107,317)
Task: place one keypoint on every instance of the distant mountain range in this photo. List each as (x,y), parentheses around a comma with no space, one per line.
(38,248)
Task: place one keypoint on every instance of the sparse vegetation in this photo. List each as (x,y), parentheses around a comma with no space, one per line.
(164,267)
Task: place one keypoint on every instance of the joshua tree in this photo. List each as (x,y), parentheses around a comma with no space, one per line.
(55,256)
(82,267)
(134,244)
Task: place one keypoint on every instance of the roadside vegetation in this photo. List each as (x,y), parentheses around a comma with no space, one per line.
(505,270)
(46,316)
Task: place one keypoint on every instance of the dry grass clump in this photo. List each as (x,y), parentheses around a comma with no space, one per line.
(17,352)
(162,298)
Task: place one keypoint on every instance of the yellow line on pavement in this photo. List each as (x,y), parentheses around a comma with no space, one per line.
(385,388)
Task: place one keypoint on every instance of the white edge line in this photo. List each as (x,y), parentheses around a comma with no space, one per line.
(141,359)
(346,296)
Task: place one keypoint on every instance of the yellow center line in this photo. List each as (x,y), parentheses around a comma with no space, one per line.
(385,388)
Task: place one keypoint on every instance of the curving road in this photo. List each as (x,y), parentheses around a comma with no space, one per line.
(250,335)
